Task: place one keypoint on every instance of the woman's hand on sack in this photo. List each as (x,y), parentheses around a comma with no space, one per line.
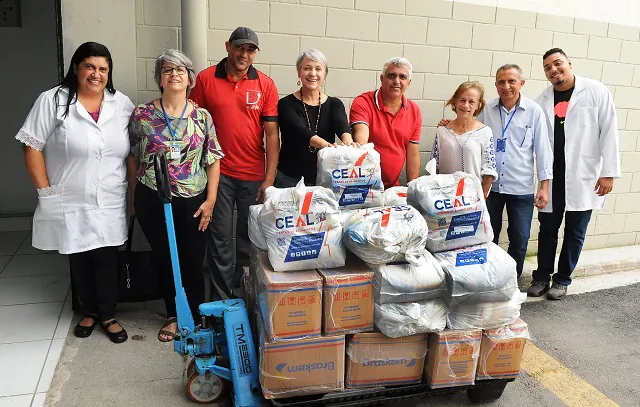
(205,212)
(347,140)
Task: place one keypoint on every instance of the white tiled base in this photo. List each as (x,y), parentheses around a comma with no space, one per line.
(35,315)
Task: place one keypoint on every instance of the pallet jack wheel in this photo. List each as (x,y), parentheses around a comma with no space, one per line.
(487,391)
(205,389)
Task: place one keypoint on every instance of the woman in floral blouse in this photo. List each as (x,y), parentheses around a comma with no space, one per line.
(187,132)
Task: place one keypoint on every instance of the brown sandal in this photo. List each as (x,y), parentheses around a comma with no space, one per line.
(164,332)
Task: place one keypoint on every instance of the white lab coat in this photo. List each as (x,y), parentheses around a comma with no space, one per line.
(85,163)
(591,142)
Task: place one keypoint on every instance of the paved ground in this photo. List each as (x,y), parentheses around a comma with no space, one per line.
(594,335)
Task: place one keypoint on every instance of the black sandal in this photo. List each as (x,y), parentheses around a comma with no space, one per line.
(115,337)
(81,331)
(171,335)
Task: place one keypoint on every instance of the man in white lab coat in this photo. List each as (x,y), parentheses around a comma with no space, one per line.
(582,124)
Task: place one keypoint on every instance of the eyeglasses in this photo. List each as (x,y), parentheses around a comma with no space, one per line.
(393,76)
(168,70)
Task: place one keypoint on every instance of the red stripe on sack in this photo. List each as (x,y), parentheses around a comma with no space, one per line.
(361,159)
(402,194)
(385,218)
(460,187)
(307,203)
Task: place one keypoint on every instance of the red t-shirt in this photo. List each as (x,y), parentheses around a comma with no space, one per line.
(390,134)
(238,110)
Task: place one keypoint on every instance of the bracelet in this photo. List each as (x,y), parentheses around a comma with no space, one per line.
(48,191)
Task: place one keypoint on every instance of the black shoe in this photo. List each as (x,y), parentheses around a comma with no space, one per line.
(85,331)
(537,288)
(115,337)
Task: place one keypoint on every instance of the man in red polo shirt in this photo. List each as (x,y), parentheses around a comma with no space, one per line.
(244,105)
(386,118)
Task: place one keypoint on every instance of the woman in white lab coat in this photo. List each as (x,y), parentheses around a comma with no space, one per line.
(75,145)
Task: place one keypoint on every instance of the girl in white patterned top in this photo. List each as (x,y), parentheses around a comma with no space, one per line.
(466,144)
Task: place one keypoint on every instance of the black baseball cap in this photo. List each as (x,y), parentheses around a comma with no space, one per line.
(244,35)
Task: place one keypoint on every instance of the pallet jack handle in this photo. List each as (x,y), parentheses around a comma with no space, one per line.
(186,324)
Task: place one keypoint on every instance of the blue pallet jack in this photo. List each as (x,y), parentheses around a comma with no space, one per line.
(223,353)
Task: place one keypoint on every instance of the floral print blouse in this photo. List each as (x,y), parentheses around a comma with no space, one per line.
(196,136)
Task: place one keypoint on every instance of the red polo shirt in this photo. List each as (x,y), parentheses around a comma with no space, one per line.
(390,134)
(238,110)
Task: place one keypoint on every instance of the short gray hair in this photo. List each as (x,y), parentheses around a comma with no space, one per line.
(506,67)
(397,61)
(314,55)
(176,57)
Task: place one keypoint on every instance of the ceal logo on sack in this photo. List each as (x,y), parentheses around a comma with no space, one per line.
(457,202)
(304,219)
(355,172)
(388,362)
(463,225)
(478,256)
(304,247)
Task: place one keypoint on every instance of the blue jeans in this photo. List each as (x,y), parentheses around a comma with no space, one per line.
(575,230)
(520,214)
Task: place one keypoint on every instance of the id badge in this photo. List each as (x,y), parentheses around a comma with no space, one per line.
(175,151)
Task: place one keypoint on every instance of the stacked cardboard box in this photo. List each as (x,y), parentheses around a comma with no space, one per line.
(501,351)
(452,358)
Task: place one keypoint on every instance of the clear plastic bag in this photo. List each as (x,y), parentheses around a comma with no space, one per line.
(478,274)
(486,315)
(410,318)
(406,282)
(387,234)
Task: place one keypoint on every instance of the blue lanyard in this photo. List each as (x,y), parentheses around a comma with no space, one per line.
(504,130)
(166,118)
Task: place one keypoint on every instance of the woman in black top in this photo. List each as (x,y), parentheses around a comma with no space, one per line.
(309,121)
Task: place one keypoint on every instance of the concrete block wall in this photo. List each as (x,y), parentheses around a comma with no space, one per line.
(448,42)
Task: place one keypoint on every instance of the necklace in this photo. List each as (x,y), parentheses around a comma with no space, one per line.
(306,113)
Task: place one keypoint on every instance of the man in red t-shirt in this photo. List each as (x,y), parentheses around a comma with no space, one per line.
(386,118)
(243,103)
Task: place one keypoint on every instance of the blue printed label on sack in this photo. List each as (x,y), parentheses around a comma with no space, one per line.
(304,247)
(478,256)
(353,195)
(463,225)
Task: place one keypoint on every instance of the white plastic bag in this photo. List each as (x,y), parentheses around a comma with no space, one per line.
(255,233)
(387,234)
(478,274)
(455,210)
(302,228)
(405,282)
(404,319)
(395,196)
(353,174)
(486,315)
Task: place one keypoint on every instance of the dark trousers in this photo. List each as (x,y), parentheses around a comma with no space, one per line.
(241,194)
(575,230)
(95,281)
(191,244)
(520,214)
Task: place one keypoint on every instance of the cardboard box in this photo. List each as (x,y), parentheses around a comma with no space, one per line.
(376,360)
(452,358)
(347,298)
(290,304)
(301,367)
(501,351)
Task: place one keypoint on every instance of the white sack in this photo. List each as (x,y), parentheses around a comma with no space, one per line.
(455,210)
(396,320)
(387,234)
(395,196)
(476,274)
(486,315)
(353,174)
(405,282)
(255,233)
(302,228)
